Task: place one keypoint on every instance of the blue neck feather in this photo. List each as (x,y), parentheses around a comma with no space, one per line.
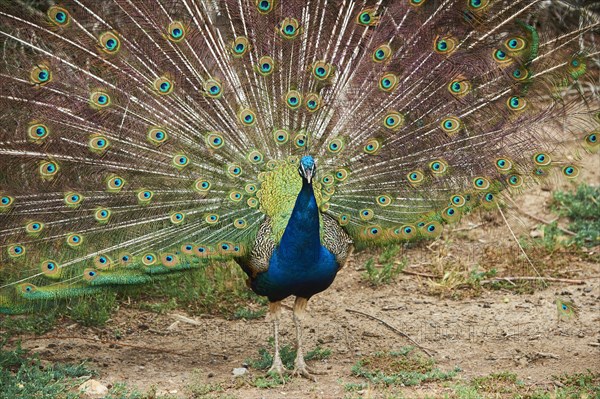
(301,239)
(300,265)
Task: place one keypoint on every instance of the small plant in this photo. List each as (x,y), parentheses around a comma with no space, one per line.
(272,381)
(387,269)
(318,354)
(288,355)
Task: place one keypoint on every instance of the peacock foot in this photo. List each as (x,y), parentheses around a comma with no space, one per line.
(277,368)
(302,370)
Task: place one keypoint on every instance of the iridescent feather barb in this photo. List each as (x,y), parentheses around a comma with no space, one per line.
(566,310)
(142,138)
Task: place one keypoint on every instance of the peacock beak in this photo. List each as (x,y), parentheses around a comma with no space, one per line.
(308,173)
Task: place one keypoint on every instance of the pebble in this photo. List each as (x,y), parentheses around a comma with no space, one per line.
(239,371)
(93,389)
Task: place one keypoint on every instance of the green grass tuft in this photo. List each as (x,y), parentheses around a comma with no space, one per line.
(403,368)
(23,376)
(387,268)
(93,311)
(249,314)
(582,208)
(37,324)
(506,384)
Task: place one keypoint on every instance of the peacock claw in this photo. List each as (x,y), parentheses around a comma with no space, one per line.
(302,370)
(278,369)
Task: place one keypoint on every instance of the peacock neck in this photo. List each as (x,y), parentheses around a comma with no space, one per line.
(301,239)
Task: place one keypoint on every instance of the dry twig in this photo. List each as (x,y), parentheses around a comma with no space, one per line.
(394,329)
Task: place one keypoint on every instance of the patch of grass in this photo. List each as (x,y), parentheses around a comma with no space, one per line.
(249,314)
(459,283)
(120,391)
(387,268)
(159,307)
(502,382)
(93,311)
(318,354)
(507,385)
(403,368)
(355,386)
(215,288)
(23,376)
(580,385)
(39,323)
(288,355)
(582,207)
(199,390)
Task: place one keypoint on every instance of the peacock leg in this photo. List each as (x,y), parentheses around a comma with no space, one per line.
(300,367)
(274,314)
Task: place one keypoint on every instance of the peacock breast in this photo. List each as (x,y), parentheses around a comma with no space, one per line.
(292,273)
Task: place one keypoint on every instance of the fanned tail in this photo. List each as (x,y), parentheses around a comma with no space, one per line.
(142,138)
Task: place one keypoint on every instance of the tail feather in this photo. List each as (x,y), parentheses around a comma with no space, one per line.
(136,131)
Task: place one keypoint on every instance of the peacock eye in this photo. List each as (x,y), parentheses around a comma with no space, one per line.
(240,46)
(293,99)
(59,16)
(388,82)
(516,103)
(382,53)
(367,17)
(393,120)
(176,31)
(99,100)
(247,117)
(255,157)
(264,6)
(515,43)
(501,57)
(289,28)
(213,88)
(445,44)
(109,42)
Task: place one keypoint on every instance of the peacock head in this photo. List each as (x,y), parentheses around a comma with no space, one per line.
(307,168)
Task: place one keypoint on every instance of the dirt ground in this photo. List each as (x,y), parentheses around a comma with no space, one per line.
(495,331)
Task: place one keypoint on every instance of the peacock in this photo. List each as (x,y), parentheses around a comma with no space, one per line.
(142,139)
